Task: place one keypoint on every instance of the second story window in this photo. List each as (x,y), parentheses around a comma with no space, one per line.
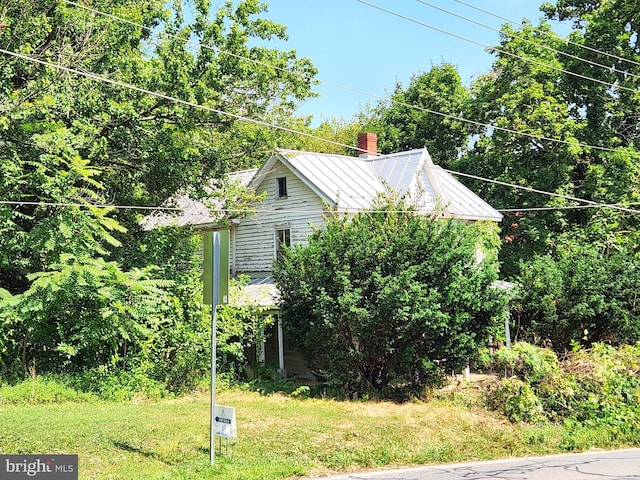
(282,187)
(283,240)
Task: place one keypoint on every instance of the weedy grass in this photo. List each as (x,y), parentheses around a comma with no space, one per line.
(279,436)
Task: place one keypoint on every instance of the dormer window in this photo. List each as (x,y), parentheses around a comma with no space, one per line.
(282,187)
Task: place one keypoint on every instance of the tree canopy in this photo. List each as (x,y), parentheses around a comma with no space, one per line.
(79,279)
(552,115)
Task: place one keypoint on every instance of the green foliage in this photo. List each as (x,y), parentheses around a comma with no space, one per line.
(81,287)
(408,121)
(178,354)
(82,313)
(38,390)
(119,385)
(377,300)
(596,388)
(517,401)
(579,298)
(303,391)
(241,333)
(527,362)
(536,92)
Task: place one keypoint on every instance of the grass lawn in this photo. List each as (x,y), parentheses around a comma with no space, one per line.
(278,436)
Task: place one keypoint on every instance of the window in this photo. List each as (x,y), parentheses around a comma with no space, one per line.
(282,187)
(283,240)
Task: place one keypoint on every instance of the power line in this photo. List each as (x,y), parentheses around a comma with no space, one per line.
(460,37)
(544,209)
(85,205)
(552,34)
(513,35)
(270,125)
(542,192)
(172,99)
(353,90)
(285,210)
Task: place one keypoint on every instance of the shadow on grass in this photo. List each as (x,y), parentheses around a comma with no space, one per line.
(127,447)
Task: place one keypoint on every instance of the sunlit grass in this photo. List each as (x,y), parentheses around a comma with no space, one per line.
(279,436)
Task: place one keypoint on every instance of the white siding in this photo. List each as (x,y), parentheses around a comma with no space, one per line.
(254,242)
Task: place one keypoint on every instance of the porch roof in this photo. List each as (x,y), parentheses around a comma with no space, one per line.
(258,293)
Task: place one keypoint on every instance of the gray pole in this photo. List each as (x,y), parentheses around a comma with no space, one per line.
(214,306)
(507,329)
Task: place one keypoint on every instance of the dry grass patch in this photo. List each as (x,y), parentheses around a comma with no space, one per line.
(279,437)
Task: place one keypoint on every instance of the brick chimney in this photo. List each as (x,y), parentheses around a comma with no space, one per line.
(368,145)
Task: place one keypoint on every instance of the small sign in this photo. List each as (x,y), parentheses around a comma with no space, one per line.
(225,421)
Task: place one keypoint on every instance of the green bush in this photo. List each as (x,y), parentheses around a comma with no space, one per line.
(596,389)
(527,362)
(517,401)
(579,297)
(377,302)
(46,389)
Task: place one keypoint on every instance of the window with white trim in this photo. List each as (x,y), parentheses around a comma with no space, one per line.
(283,240)
(282,187)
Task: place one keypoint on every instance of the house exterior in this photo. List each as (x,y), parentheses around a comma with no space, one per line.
(298,189)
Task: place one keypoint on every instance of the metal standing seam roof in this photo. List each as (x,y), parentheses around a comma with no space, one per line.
(347,182)
(459,201)
(351,184)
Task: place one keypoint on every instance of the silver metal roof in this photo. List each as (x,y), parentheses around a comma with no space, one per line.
(351,184)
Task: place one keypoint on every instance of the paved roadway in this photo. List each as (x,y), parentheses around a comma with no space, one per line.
(593,465)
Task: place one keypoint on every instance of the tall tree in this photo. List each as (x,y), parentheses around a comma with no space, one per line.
(524,93)
(145,147)
(70,143)
(408,120)
(606,38)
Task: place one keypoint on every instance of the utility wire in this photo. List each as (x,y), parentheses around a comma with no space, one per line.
(285,210)
(547,209)
(266,124)
(172,99)
(361,92)
(460,37)
(552,34)
(85,205)
(542,192)
(270,125)
(531,42)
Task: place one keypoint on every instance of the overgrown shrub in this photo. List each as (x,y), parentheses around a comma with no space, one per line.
(578,297)
(381,304)
(42,389)
(527,362)
(517,400)
(598,387)
(241,333)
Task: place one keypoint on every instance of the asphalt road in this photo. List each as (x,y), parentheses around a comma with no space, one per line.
(593,465)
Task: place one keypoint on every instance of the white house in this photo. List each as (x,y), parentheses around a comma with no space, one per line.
(299,188)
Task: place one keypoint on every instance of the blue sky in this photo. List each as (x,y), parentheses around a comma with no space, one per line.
(363,48)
